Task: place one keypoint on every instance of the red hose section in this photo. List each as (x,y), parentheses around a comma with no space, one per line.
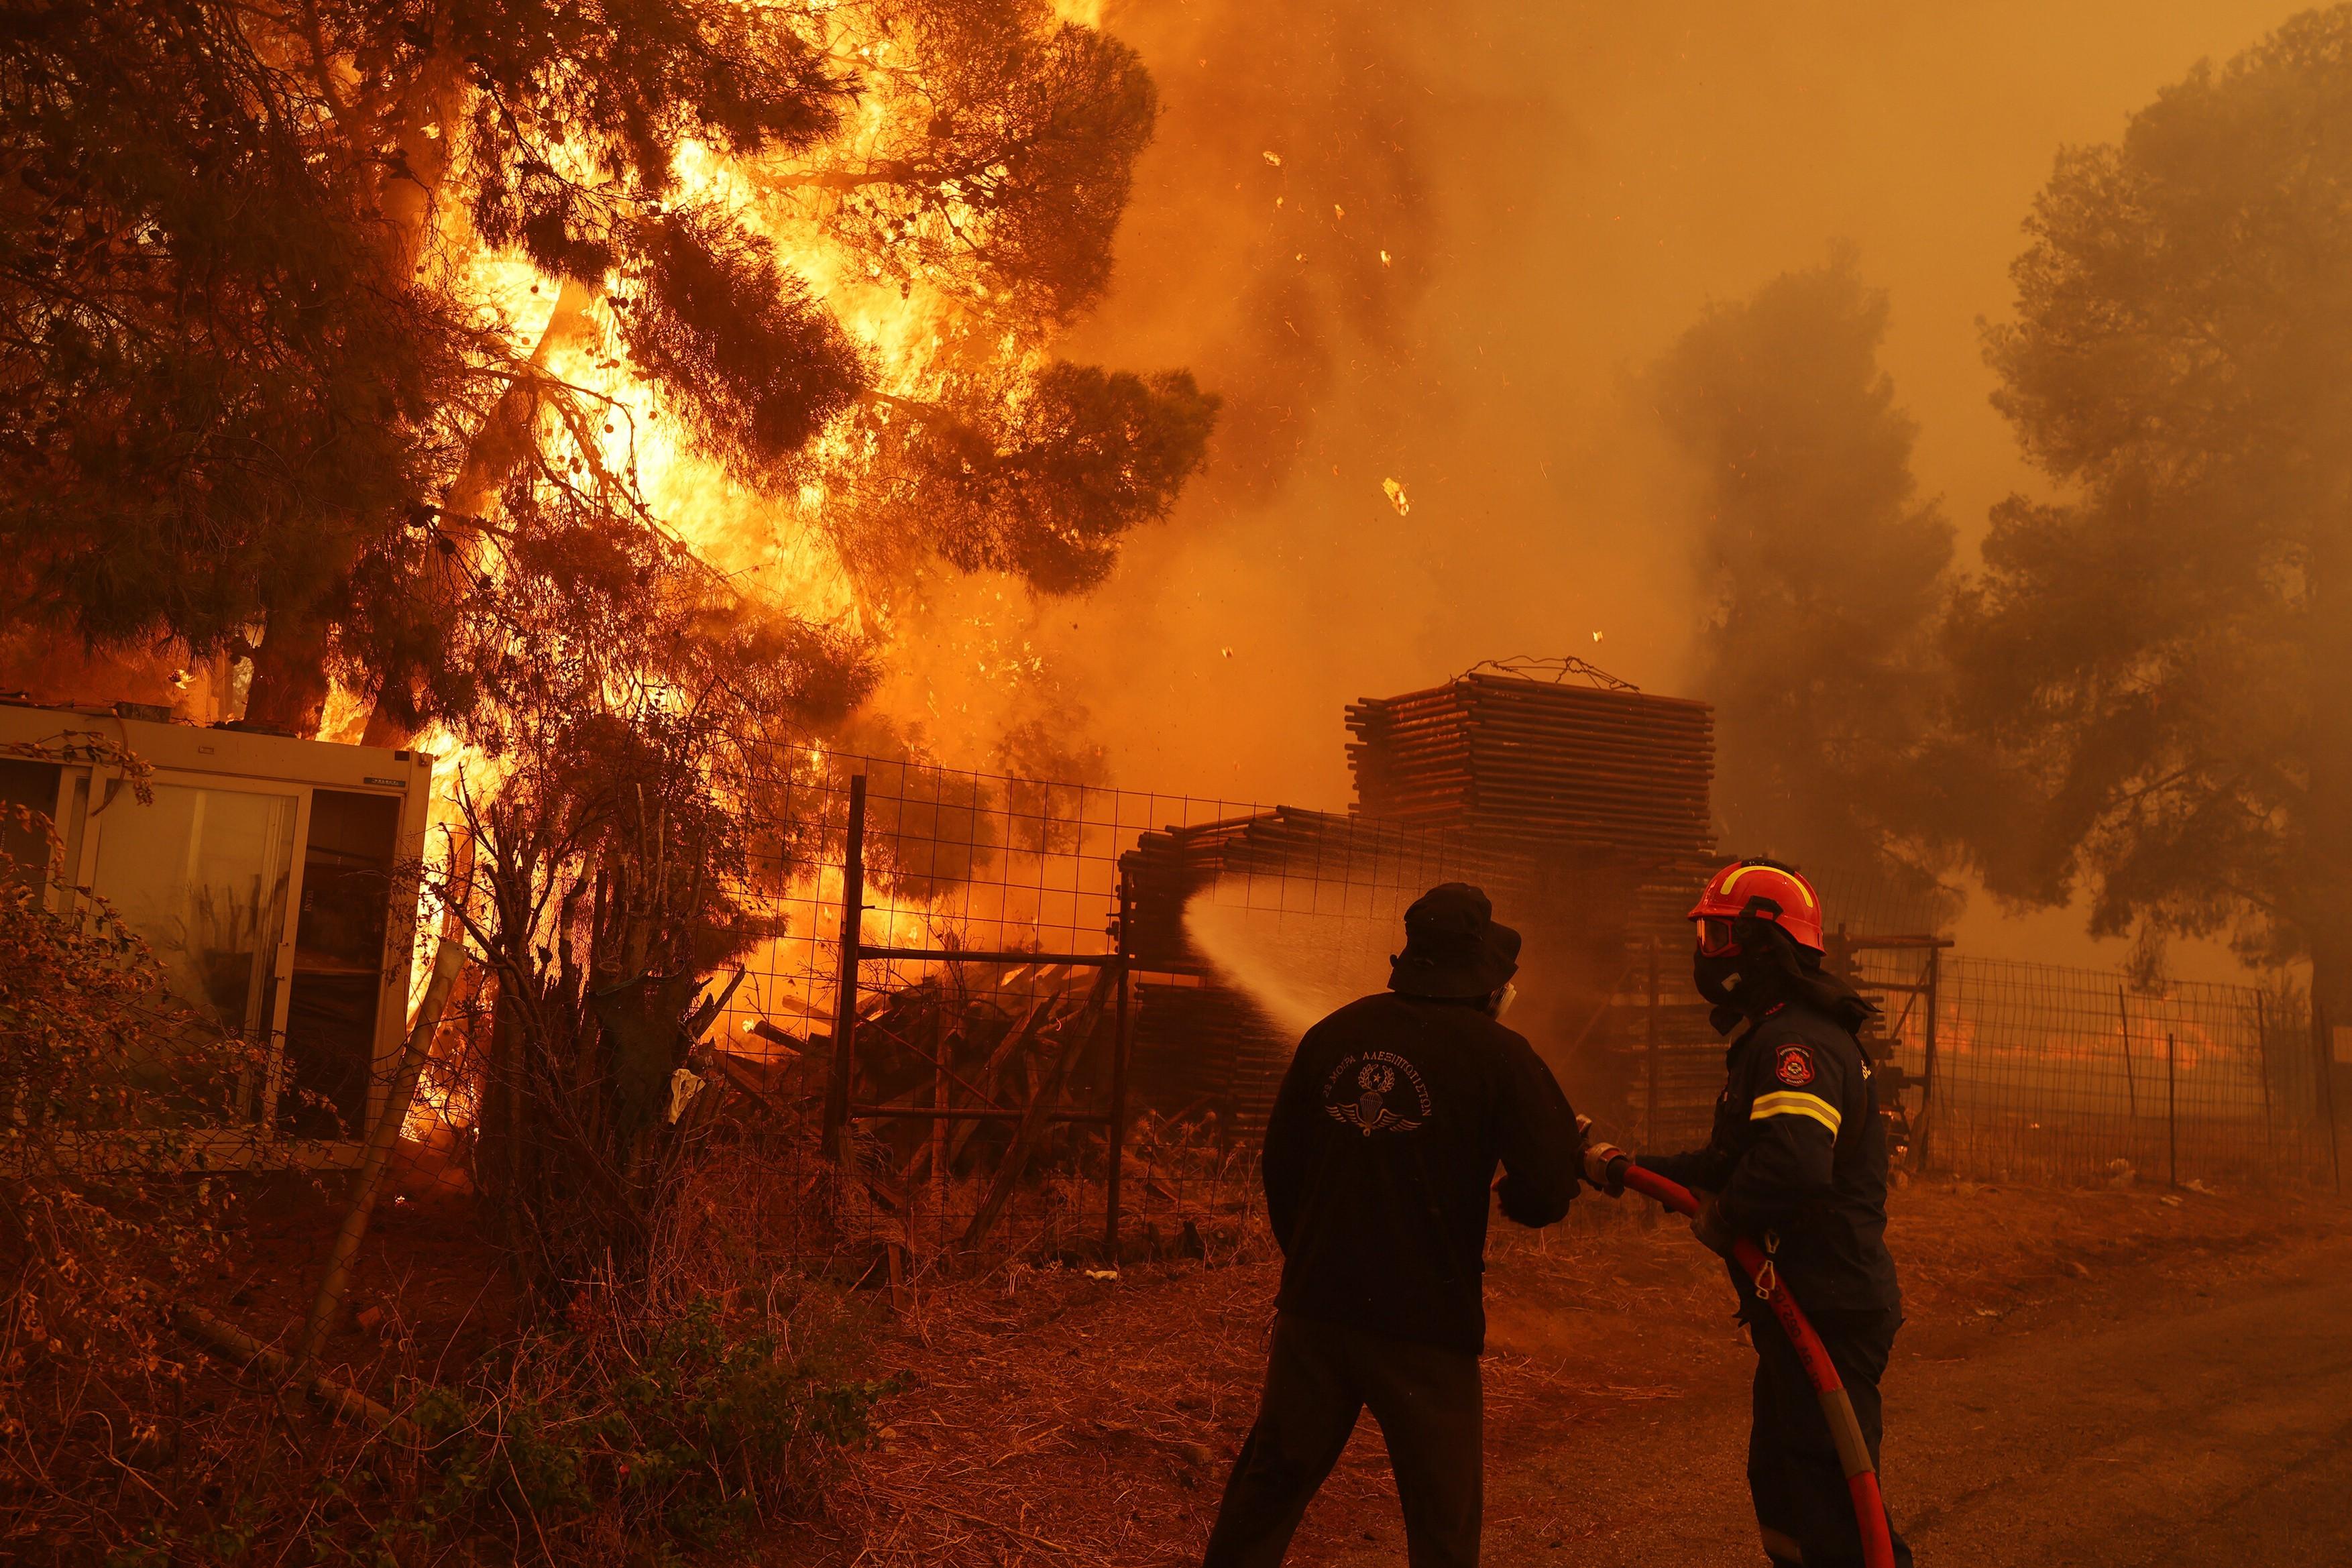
(1869,1507)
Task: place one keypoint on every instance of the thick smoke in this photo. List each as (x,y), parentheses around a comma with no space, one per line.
(1561,191)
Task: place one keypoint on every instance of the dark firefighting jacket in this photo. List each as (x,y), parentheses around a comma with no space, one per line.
(1798,1159)
(1380,1165)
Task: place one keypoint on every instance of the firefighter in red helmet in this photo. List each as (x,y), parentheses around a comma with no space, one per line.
(1797,1162)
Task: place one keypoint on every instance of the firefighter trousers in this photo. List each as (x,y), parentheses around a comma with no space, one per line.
(1318,1378)
(1802,1506)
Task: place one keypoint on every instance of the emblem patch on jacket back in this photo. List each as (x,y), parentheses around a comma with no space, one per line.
(1378,1092)
(1793,1066)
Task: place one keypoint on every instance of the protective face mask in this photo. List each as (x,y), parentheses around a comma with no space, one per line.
(1717,977)
(1502,1000)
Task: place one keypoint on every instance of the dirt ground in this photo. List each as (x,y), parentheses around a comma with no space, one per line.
(428,1296)
(2097,1378)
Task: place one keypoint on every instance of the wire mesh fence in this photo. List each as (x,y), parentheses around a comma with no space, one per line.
(2042,1073)
(1068,1007)
(972,1014)
(967,1015)
(2018,1071)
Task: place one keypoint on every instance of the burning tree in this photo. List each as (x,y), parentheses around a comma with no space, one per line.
(585,379)
(327,320)
(2157,665)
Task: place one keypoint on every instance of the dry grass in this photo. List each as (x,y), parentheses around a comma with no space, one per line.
(1052,1417)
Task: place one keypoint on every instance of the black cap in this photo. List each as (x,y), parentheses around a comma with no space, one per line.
(1454,947)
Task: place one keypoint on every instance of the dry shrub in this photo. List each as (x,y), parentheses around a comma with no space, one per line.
(117,1109)
(710,1393)
(706,1396)
(619,1435)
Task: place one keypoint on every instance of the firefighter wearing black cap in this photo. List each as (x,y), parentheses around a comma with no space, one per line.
(1380,1168)
(1797,1162)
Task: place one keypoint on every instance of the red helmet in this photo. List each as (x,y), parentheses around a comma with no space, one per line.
(1730,890)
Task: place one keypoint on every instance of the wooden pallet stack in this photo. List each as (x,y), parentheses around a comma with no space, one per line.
(1202,1050)
(1169,865)
(1609,786)
(1582,809)
(1503,758)
(1509,756)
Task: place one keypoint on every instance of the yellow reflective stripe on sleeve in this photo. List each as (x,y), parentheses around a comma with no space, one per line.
(1796,1102)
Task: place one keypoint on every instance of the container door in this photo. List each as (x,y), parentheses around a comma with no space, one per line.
(28,804)
(341,971)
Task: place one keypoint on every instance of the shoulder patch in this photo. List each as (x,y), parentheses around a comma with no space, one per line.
(1793,1065)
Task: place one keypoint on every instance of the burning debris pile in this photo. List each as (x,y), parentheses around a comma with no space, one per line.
(966,1075)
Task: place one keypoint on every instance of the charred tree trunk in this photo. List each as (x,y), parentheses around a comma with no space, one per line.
(505,442)
(290,668)
(422,130)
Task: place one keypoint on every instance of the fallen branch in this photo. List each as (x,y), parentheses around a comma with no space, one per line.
(233,1343)
(446,963)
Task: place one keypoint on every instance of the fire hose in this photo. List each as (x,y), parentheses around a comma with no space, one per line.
(1853,1453)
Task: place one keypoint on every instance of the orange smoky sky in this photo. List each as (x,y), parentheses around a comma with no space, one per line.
(1560,189)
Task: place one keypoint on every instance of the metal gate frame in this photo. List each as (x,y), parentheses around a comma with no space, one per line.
(841,1110)
(1842,948)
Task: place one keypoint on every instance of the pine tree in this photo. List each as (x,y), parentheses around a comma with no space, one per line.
(1825,571)
(320,315)
(2157,663)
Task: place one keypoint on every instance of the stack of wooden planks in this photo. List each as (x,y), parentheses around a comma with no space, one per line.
(1205,1051)
(1608,787)
(1552,768)
(1325,851)
(1582,810)
(1503,756)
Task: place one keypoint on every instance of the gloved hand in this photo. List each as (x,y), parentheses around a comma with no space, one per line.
(1708,1226)
(1604,1162)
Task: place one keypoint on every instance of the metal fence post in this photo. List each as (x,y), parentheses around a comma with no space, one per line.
(939,1139)
(845,1021)
(1927,1053)
(2323,1039)
(2123,1011)
(2171,1112)
(1119,1053)
(1650,1139)
(2263,1066)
